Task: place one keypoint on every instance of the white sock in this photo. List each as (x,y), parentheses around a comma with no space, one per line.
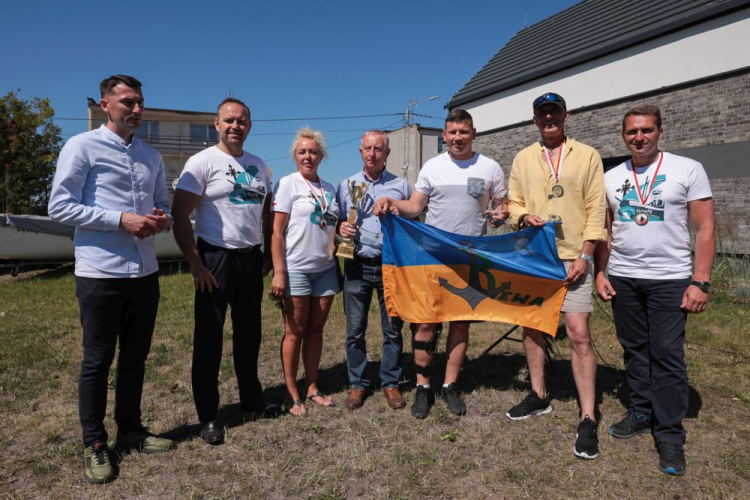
(424,386)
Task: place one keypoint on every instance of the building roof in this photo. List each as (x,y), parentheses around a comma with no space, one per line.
(585,31)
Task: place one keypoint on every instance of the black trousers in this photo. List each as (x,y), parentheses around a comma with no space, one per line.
(651,328)
(240,278)
(112,309)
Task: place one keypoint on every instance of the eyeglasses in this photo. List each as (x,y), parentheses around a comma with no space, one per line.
(277,302)
(548,97)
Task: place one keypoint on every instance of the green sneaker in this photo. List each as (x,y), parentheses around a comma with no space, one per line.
(142,440)
(96,465)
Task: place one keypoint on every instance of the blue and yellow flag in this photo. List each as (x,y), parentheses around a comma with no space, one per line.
(431,276)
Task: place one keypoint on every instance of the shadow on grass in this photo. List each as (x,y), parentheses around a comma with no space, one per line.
(499,371)
(331,380)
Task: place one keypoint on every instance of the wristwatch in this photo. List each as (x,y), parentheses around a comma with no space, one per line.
(587,258)
(705,286)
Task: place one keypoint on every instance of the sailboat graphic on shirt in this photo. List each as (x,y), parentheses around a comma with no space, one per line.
(631,208)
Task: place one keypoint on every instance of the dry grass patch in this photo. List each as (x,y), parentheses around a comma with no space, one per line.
(373,452)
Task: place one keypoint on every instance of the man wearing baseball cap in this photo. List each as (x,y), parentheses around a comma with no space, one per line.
(560,180)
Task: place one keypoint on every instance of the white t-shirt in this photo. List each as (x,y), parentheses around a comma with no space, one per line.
(460,192)
(311,229)
(652,241)
(232,192)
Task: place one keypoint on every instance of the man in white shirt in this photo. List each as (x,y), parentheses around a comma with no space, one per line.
(462,188)
(111,186)
(653,198)
(228,189)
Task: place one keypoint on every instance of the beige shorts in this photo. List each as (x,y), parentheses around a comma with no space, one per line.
(579,298)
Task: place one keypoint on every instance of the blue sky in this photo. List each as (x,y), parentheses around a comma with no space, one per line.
(285,59)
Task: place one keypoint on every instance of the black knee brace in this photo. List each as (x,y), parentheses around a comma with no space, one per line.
(424,345)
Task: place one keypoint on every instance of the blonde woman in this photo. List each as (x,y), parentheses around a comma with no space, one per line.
(305,214)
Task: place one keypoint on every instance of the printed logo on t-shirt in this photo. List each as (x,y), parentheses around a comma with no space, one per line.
(475,187)
(318,217)
(632,210)
(248,187)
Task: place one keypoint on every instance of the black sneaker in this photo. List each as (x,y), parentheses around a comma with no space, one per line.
(671,458)
(423,400)
(634,423)
(451,396)
(530,406)
(587,441)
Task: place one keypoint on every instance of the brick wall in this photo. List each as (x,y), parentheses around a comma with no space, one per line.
(715,111)
(732,207)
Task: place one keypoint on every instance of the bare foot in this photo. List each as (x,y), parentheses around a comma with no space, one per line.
(298,408)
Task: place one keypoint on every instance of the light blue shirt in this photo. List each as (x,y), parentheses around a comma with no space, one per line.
(369,238)
(99,177)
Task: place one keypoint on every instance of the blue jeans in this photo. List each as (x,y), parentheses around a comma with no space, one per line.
(360,279)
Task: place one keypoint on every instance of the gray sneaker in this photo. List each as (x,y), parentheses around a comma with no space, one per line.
(96,465)
(142,440)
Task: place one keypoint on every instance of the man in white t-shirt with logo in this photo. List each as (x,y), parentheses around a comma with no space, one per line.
(228,189)
(653,198)
(462,187)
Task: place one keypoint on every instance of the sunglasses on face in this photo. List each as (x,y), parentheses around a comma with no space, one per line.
(549,97)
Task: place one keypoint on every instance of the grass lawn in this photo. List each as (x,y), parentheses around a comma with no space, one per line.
(373,452)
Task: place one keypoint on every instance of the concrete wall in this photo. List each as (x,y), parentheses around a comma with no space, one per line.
(714,113)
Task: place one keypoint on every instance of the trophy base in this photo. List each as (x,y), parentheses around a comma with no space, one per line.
(346,251)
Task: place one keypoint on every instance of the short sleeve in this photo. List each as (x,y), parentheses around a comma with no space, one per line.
(499,190)
(698,185)
(423,182)
(267,177)
(283,196)
(193,177)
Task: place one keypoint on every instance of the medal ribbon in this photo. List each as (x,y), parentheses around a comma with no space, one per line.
(557,169)
(653,181)
(322,199)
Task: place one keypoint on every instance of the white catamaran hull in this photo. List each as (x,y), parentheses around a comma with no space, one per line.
(33,237)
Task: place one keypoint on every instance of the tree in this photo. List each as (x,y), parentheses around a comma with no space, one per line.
(29,145)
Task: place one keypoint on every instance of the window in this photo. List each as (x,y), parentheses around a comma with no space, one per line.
(148,130)
(440,143)
(203,133)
